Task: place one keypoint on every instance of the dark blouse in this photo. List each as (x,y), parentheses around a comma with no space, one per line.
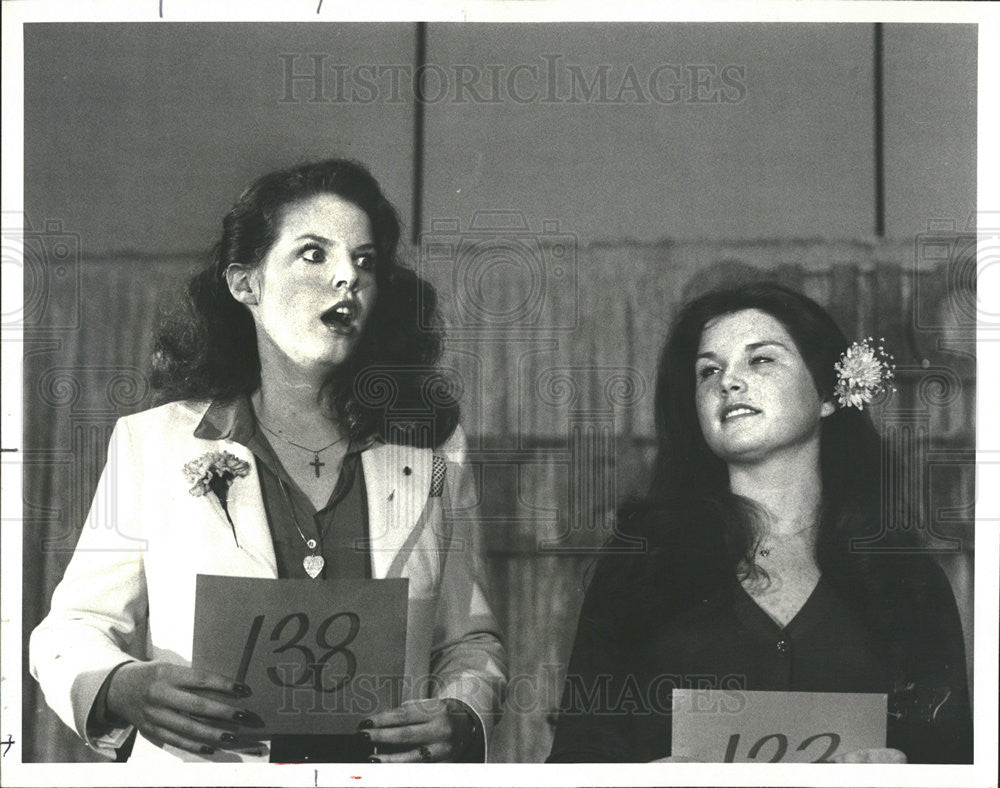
(617,700)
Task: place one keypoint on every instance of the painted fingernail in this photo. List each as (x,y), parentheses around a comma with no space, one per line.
(241,689)
(373,759)
(228,738)
(248,718)
(206,750)
(366,724)
(365,736)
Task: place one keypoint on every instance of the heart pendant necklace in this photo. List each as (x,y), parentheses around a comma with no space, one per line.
(314,562)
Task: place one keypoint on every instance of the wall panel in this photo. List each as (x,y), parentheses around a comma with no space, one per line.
(790,156)
(141,136)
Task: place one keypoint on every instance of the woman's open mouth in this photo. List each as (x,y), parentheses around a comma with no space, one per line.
(342,317)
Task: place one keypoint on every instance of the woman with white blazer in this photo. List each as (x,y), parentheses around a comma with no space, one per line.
(306,434)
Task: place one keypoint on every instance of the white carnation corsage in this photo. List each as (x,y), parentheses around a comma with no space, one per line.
(214,472)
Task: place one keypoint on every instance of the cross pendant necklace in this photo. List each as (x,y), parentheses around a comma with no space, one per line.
(316,464)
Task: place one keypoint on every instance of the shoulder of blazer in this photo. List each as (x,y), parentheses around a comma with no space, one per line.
(455,448)
(173,416)
(452,450)
(164,433)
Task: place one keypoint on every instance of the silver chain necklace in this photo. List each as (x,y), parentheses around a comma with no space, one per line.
(316,464)
(314,562)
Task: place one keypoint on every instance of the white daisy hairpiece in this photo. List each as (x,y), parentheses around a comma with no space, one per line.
(863,372)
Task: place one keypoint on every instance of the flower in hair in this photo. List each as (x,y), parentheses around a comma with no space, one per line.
(215,472)
(863,372)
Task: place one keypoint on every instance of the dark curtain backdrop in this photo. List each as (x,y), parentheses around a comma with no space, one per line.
(554,351)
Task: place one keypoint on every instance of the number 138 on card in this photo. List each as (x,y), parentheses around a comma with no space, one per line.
(289,632)
(318,656)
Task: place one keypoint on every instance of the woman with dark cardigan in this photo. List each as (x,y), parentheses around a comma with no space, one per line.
(754,575)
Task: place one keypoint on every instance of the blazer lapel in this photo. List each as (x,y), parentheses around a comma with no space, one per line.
(398,479)
(246,507)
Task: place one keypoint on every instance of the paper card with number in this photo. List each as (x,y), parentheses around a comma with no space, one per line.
(319,657)
(726,726)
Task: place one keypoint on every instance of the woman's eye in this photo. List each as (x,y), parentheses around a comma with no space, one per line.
(366,262)
(706,372)
(313,254)
(761,360)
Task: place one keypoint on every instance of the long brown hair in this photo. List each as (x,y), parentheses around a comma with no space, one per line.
(700,536)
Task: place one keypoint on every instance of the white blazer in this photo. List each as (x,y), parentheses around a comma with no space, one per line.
(129,590)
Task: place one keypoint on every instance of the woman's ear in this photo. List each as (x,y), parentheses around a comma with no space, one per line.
(827,409)
(242,283)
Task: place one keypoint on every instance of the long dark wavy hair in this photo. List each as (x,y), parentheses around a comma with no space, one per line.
(389,388)
(699,536)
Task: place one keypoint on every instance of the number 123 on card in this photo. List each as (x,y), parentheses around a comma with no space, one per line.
(742,726)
